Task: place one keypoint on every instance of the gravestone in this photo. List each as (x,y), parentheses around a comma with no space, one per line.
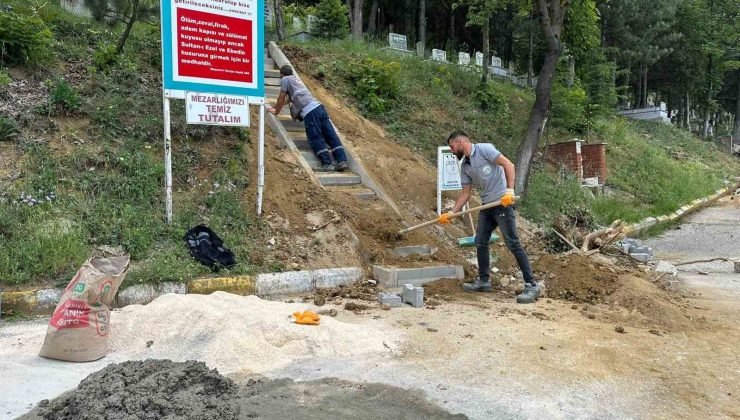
(479,59)
(398,42)
(463,59)
(297,23)
(496,61)
(312,23)
(439,55)
(420,49)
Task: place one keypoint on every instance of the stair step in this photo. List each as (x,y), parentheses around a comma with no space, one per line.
(302,144)
(359,192)
(291,125)
(269,62)
(272,91)
(271,81)
(271,72)
(338,178)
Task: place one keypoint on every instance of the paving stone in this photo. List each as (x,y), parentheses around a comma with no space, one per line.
(389,299)
(413,295)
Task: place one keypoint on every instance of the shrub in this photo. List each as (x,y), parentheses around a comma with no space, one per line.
(332,19)
(492,100)
(375,83)
(24,39)
(569,107)
(63,98)
(8,128)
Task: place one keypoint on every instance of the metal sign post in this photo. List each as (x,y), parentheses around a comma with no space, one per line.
(213,57)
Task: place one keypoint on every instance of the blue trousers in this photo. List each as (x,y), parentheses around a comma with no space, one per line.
(505,219)
(322,138)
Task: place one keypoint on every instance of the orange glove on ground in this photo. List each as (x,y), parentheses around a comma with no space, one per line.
(444,218)
(508,198)
(306,318)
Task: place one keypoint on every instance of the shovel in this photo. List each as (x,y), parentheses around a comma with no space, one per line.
(455,215)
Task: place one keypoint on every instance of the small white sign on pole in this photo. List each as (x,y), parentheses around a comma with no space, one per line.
(448,174)
(216,109)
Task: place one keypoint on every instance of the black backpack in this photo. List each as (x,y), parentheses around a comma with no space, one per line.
(206,247)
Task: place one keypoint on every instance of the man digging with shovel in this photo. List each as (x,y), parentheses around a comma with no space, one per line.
(493,174)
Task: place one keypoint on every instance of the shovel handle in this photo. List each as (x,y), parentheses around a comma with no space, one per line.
(455,215)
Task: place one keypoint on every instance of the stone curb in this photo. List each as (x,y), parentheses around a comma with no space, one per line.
(648,222)
(44,301)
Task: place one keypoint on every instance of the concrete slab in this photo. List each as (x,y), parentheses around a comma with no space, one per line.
(141,294)
(284,283)
(330,179)
(415,250)
(333,277)
(395,277)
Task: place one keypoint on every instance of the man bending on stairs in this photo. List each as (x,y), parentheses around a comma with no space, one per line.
(493,174)
(320,133)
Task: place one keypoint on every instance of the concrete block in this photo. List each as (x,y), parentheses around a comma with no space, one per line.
(330,179)
(405,274)
(642,257)
(284,283)
(47,299)
(412,295)
(389,299)
(141,294)
(365,194)
(666,267)
(420,250)
(387,276)
(640,250)
(272,74)
(662,219)
(333,277)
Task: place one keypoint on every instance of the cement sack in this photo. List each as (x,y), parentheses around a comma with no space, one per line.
(78,329)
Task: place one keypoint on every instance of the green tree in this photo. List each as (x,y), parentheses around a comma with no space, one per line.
(332,19)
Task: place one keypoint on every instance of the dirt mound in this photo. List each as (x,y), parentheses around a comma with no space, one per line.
(155,389)
(148,389)
(576,278)
(648,305)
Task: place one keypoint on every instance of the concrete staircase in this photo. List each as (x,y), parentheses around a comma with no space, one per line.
(292,134)
(356,182)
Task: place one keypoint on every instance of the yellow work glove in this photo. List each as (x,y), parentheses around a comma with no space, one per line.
(508,198)
(444,219)
(306,318)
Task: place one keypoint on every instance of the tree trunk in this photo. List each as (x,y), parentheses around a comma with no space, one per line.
(279,23)
(638,90)
(486,59)
(688,112)
(410,14)
(129,25)
(372,21)
(351,16)
(737,109)
(708,110)
(551,16)
(571,71)
(451,36)
(644,88)
(357,13)
(423,22)
(530,58)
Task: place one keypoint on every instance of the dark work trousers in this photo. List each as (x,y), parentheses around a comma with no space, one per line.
(322,138)
(505,219)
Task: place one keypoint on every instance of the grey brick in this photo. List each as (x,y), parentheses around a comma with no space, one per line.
(389,299)
(412,295)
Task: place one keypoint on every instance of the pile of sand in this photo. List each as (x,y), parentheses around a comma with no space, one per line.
(236,333)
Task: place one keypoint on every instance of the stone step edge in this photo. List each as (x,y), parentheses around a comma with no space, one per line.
(648,222)
(44,301)
(390,277)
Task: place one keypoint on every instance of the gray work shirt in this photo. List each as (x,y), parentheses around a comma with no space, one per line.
(301,100)
(481,170)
